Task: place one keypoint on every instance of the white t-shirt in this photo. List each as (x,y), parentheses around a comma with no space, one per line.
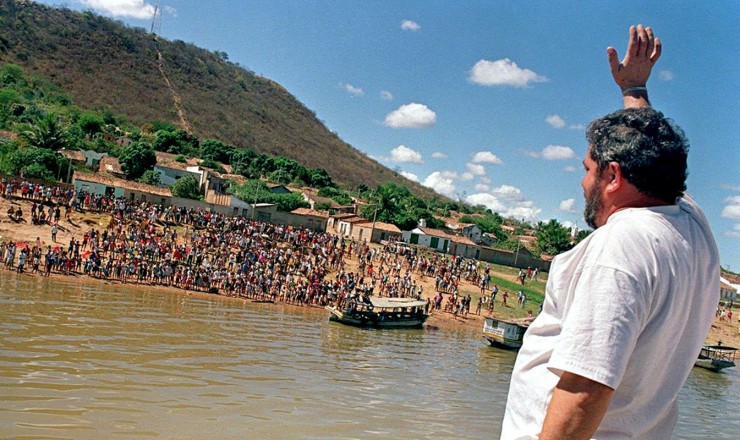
(629,307)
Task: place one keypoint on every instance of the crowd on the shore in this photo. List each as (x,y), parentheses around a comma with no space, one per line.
(214,253)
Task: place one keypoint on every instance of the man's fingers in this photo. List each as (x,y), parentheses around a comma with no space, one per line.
(642,40)
(632,46)
(611,54)
(650,42)
(656,51)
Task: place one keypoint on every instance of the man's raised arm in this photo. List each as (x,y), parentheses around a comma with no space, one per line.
(631,75)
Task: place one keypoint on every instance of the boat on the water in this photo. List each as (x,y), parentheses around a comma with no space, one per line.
(716,357)
(381,313)
(505,334)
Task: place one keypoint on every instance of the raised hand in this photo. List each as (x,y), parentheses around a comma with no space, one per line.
(643,50)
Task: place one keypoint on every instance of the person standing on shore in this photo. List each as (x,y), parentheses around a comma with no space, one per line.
(627,310)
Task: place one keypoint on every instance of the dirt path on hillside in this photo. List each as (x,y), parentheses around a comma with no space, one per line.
(179,110)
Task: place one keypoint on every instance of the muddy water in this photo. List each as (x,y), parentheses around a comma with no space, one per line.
(89,361)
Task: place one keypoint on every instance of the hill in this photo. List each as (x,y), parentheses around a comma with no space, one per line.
(101,63)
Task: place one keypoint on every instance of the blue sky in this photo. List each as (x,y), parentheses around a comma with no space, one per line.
(484,100)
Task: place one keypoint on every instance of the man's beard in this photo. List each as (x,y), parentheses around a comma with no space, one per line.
(594,204)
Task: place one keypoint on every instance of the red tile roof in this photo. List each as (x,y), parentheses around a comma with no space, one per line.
(121,183)
(310,212)
(388,227)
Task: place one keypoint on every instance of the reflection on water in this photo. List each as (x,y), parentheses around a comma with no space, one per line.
(97,361)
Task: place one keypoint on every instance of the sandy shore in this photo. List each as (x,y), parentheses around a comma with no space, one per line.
(727,332)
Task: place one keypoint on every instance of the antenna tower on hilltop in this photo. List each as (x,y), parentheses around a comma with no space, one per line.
(157,19)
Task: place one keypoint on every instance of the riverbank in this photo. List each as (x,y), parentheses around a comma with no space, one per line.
(80,223)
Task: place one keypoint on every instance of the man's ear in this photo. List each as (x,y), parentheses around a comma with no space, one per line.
(613,176)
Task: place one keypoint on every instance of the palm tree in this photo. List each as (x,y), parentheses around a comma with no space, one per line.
(46,133)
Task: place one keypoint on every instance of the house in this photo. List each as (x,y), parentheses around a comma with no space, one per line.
(521,258)
(96,183)
(344,226)
(333,222)
(312,197)
(305,218)
(279,189)
(727,290)
(374,232)
(470,230)
(110,165)
(488,239)
(235,205)
(441,241)
(170,170)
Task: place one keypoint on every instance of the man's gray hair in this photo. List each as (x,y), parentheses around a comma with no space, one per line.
(650,149)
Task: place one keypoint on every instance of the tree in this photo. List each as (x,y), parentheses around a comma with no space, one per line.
(552,238)
(136,159)
(176,142)
(216,151)
(32,162)
(90,124)
(187,187)
(151,177)
(320,178)
(46,132)
(212,164)
(36,171)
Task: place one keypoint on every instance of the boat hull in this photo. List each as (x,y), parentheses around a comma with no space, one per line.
(501,342)
(375,320)
(504,334)
(715,365)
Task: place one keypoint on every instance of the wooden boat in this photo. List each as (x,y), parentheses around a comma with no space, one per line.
(716,357)
(381,313)
(505,334)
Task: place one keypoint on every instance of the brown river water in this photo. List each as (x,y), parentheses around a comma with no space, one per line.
(96,361)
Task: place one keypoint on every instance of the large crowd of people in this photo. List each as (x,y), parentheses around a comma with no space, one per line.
(194,249)
(147,243)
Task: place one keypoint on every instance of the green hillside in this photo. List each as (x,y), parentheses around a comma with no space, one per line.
(102,64)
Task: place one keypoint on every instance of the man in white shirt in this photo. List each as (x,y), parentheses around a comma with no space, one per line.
(627,310)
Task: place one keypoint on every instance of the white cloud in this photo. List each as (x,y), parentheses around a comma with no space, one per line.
(485,180)
(441,182)
(486,157)
(352,90)
(138,9)
(567,223)
(410,176)
(411,115)
(508,201)
(486,199)
(386,95)
(508,192)
(404,154)
(467,176)
(577,127)
(557,152)
(481,187)
(570,169)
(476,169)
(410,25)
(730,186)
(567,205)
(732,209)
(555,121)
(439,155)
(502,72)
(665,75)
(734,232)
(449,174)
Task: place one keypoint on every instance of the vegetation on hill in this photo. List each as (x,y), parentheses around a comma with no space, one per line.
(109,67)
(80,81)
